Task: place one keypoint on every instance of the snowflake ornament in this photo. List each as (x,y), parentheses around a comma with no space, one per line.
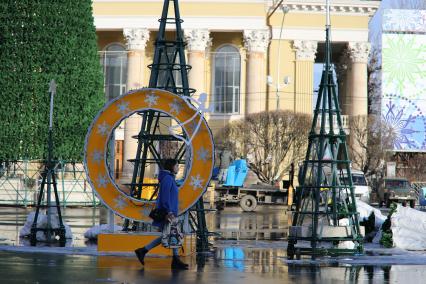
(120,203)
(103,129)
(196,182)
(151,100)
(123,108)
(102,181)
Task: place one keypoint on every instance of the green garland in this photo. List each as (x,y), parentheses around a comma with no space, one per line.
(387,236)
(41,40)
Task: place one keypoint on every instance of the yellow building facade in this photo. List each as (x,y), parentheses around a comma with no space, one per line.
(246,55)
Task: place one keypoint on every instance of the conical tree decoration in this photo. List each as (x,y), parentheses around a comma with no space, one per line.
(325,207)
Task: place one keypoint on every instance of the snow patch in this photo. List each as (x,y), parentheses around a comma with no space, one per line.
(92,233)
(365,211)
(42,223)
(409,228)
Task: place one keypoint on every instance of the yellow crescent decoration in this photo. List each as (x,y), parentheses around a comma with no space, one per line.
(98,136)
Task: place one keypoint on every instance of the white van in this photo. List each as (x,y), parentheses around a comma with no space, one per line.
(362,189)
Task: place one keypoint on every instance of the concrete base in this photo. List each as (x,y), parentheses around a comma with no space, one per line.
(323,231)
(128,242)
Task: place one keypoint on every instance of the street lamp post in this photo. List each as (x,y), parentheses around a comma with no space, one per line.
(285,10)
(49,180)
(277,85)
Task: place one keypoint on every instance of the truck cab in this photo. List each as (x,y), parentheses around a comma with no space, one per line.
(397,190)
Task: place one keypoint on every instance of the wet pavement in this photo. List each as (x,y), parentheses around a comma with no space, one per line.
(266,223)
(251,249)
(12,219)
(260,266)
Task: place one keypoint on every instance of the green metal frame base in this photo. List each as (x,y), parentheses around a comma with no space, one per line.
(298,252)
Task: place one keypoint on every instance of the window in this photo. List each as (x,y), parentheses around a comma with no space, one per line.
(226,82)
(357,179)
(395,184)
(114,66)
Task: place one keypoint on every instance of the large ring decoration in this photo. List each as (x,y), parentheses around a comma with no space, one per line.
(201,147)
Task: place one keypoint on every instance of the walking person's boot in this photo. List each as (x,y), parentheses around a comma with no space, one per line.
(178,264)
(140,253)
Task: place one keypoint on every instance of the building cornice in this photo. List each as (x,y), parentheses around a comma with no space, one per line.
(183,1)
(357,7)
(316,33)
(151,22)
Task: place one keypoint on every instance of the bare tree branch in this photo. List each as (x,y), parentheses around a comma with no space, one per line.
(270,141)
(370,141)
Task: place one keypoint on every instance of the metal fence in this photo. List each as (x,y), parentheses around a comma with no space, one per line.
(20,184)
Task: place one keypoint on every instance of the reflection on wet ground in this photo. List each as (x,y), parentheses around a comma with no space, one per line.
(12,219)
(266,223)
(250,250)
(228,266)
(357,274)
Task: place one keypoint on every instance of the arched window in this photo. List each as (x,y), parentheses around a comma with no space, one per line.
(114,65)
(226,80)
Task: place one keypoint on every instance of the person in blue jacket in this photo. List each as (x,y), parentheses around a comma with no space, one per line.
(168,199)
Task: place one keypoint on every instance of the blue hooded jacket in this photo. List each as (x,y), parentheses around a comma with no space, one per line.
(168,197)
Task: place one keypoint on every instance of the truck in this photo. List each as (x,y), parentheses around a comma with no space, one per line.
(236,190)
(395,189)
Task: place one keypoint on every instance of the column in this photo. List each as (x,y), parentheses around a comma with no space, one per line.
(136,43)
(341,74)
(256,42)
(358,97)
(358,53)
(304,75)
(197,42)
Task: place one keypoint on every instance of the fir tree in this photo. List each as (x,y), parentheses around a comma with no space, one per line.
(41,40)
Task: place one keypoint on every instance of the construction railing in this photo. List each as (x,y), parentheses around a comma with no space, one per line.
(20,183)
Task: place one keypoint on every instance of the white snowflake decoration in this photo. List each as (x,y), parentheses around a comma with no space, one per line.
(102,181)
(196,182)
(203,154)
(175,107)
(123,108)
(120,203)
(151,100)
(97,156)
(103,129)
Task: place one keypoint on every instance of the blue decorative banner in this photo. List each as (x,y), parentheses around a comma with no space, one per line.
(404,89)
(395,20)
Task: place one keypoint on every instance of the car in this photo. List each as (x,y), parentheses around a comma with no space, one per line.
(395,189)
(362,188)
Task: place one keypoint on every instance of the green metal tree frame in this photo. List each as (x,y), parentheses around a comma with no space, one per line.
(168,68)
(326,192)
